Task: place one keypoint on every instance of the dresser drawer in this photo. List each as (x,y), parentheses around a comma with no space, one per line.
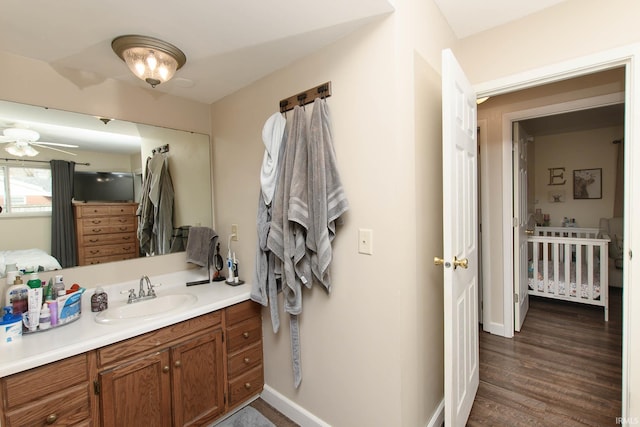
(91,210)
(244,360)
(244,334)
(105,239)
(106,259)
(245,386)
(125,210)
(91,230)
(107,250)
(48,380)
(66,407)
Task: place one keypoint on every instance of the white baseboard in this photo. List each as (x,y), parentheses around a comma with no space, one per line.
(291,409)
(437,419)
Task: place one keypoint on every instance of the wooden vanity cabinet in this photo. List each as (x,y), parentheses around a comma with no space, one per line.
(245,373)
(187,374)
(58,394)
(170,377)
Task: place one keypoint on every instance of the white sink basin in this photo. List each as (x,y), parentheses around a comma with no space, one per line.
(148,309)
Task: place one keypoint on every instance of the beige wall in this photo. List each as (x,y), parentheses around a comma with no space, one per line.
(577,150)
(376,340)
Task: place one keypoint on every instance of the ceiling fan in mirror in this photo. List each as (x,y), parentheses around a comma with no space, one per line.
(21,142)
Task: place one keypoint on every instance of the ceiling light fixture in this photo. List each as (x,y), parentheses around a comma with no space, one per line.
(150,59)
(20,149)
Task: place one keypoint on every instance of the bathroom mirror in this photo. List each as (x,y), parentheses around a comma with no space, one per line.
(105,146)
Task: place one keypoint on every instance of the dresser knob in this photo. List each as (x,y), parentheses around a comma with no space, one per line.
(178,363)
(52,419)
(245,334)
(247,360)
(165,369)
(247,385)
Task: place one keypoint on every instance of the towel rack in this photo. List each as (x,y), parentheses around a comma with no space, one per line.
(306,97)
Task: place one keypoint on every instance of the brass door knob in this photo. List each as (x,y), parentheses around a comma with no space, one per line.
(438,261)
(464,263)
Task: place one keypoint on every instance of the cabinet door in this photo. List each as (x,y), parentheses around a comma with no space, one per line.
(137,393)
(198,383)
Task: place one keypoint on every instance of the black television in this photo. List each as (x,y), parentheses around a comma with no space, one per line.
(103,186)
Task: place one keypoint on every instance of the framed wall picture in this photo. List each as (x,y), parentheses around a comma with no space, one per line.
(587,183)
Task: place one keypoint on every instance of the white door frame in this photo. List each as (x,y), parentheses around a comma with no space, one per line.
(628,57)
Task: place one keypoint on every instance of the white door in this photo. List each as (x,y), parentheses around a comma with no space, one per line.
(522,226)
(460,230)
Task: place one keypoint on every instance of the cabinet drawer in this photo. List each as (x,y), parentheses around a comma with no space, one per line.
(107,229)
(91,210)
(245,360)
(245,386)
(37,383)
(244,334)
(242,311)
(124,210)
(155,340)
(67,407)
(105,259)
(107,250)
(106,239)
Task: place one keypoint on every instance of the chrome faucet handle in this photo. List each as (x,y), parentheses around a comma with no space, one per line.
(132,295)
(151,292)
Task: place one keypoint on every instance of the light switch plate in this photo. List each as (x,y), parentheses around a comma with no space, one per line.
(365,241)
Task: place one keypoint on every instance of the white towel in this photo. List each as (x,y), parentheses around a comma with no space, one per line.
(272,134)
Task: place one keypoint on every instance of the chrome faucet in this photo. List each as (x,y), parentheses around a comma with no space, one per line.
(142,294)
(143,279)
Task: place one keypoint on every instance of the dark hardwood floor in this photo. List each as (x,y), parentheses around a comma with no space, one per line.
(563,369)
(276,417)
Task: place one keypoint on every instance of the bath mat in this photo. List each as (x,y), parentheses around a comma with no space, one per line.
(246,417)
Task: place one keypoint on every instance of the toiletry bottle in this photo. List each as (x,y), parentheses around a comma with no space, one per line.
(58,287)
(99,300)
(45,317)
(17,295)
(53,312)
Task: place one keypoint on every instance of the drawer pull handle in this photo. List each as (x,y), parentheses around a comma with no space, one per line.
(245,335)
(96,221)
(165,369)
(178,363)
(247,360)
(52,419)
(247,385)
(97,230)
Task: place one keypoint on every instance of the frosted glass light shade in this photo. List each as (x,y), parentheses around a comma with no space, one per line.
(21,149)
(150,59)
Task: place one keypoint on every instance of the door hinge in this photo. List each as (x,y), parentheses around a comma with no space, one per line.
(96,387)
(516,298)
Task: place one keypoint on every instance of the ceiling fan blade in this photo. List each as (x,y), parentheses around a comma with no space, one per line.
(51,148)
(57,144)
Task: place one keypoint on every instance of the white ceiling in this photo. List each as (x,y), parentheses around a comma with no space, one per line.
(468,17)
(228,44)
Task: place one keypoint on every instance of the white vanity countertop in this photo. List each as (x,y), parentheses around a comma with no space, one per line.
(85,334)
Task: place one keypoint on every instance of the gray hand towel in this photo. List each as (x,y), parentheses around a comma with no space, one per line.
(201,246)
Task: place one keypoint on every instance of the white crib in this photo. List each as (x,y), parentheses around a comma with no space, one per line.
(569,264)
